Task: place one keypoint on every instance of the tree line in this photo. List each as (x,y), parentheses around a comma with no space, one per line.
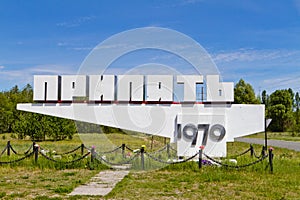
(283,106)
(23,124)
(38,126)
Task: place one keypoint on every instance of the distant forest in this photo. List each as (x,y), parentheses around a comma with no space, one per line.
(282,106)
(36,126)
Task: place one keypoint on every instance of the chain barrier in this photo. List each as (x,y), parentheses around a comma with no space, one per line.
(89,149)
(99,155)
(17,160)
(64,162)
(120,163)
(235,166)
(160,150)
(111,151)
(241,154)
(155,152)
(128,148)
(166,162)
(258,157)
(13,150)
(105,152)
(171,148)
(68,152)
(5,148)
(31,147)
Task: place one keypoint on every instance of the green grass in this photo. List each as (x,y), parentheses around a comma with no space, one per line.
(102,142)
(46,182)
(287,136)
(186,181)
(181,181)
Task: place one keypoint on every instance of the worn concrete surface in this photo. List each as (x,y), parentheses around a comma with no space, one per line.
(101,184)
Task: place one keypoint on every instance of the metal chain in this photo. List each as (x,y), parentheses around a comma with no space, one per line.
(128,148)
(241,154)
(107,152)
(3,151)
(89,149)
(166,162)
(235,166)
(26,152)
(65,153)
(256,155)
(160,150)
(64,162)
(13,150)
(17,160)
(172,148)
(120,163)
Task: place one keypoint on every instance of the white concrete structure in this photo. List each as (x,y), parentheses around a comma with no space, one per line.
(190,86)
(189,124)
(130,88)
(46,88)
(159,88)
(218,92)
(73,86)
(101,88)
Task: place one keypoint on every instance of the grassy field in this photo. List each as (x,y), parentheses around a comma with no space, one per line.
(287,136)
(182,181)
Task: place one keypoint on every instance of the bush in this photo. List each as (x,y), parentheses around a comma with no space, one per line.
(2,194)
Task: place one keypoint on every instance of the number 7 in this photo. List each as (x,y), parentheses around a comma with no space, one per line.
(205,128)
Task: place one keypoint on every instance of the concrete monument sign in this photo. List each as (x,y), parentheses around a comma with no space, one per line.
(146,103)
(126,101)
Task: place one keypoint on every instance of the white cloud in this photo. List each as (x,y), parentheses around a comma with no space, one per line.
(76,22)
(62,44)
(25,75)
(2,67)
(264,69)
(72,46)
(250,55)
(52,69)
(283,81)
(81,48)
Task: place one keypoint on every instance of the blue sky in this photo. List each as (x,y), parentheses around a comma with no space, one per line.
(258,41)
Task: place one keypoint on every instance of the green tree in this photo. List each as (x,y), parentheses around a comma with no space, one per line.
(244,93)
(297,112)
(42,127)
(292,94)
(265,98)
(36,126)
(9,113)
(281,111)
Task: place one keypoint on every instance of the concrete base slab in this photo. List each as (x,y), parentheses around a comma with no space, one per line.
(101,184)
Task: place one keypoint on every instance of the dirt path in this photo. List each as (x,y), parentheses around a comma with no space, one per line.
(274,143)
(101,184)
